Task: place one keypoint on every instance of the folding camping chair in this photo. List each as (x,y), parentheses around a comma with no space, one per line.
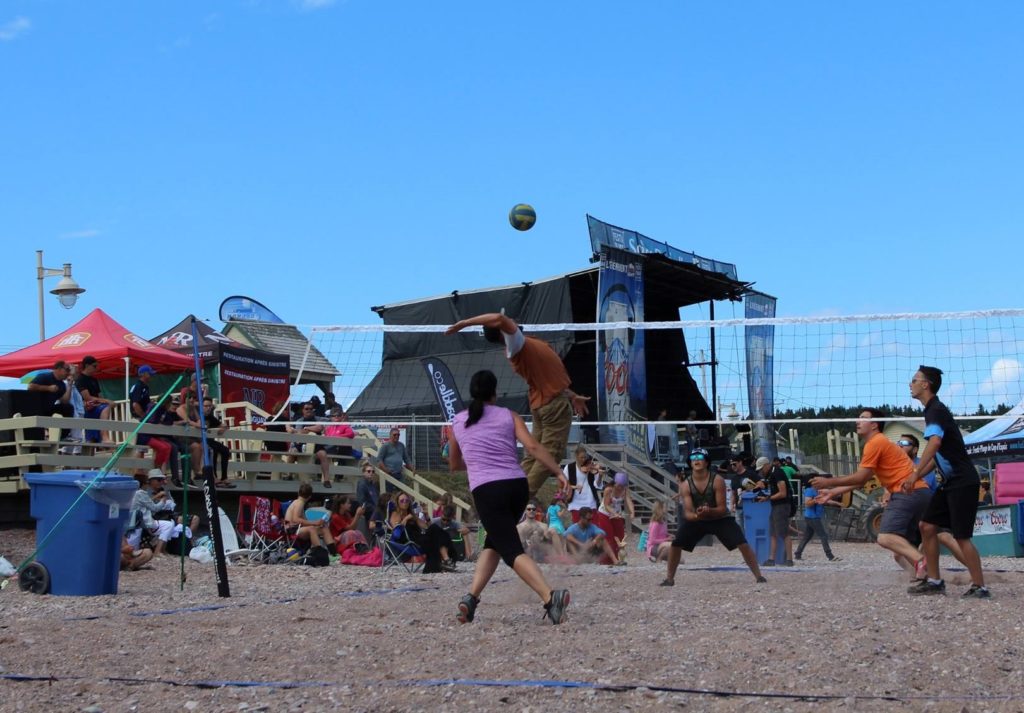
(267,536)
(397,550)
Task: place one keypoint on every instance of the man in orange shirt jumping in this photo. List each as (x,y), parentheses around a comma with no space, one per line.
(552,403)
(882,458)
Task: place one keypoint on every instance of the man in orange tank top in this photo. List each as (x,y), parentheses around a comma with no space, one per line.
(881,457)
(552,402)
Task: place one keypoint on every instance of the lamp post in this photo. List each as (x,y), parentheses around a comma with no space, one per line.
(67,290)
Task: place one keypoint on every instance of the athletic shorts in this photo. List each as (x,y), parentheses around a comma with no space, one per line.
(725,529)
(778,523)
(954,505)
(500,504)
(903,514)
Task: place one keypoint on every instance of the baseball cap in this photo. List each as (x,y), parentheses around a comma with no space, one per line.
(146,369)
(155,473)
(761,463)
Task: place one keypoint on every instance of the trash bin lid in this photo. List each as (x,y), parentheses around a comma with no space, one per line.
(112,480)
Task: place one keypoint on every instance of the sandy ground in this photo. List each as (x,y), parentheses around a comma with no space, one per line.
(835,635)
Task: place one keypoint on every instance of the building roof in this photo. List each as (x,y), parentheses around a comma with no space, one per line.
(285,339)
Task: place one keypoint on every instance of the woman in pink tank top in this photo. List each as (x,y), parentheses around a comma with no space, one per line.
(483,442)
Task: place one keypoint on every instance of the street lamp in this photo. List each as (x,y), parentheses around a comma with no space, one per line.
(67,290)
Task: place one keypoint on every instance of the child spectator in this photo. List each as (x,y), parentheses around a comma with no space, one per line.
(658,540)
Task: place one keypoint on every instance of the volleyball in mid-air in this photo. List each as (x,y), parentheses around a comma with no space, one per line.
(522,216)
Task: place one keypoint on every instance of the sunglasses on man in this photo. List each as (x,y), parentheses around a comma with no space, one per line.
(697,456)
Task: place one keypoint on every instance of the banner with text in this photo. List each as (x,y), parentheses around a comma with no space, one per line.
(257,377)
(621,361)
(760,342)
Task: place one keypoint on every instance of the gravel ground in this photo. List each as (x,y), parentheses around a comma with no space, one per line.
(842,635)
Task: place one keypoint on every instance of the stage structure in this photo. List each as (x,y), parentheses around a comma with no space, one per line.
(631,375)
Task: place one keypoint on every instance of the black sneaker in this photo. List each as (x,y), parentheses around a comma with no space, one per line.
(925,587)
(762,580)
(835,559)
(768,563)
(448,565)
(978,592)
(797,556)
(788,563)
(555,608)
(667,582)
(467,609)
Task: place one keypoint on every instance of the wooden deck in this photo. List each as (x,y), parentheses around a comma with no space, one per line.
(32,444)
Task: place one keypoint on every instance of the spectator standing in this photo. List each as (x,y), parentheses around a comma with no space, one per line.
(778,496)
(582,476)
(141,404)
(814,524)
(392,457)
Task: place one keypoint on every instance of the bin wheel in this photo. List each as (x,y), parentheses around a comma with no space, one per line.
(873,522)
(34,578)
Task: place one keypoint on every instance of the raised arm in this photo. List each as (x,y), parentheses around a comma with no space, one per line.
(490,319)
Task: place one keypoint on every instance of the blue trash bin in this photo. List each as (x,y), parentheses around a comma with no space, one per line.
(83,557)
(756,524)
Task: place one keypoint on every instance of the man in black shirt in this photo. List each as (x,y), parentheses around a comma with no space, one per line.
(56,383)
(954,504)
(778,526)
(95,405)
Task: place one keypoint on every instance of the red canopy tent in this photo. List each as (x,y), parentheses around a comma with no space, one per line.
(99,335)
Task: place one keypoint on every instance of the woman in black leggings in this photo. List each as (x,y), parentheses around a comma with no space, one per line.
(484,443)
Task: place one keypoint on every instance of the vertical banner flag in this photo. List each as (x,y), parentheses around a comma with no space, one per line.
(257,377)
(760,342)
(445,390)
(621,361)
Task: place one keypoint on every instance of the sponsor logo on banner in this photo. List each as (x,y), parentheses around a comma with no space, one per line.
(993,522)
(75,339)
(137,341)
(445,390)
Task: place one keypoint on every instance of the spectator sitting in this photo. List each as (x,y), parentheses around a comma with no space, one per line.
(219,450)
(337,428)
(307,533)
(658,540)
(539,540)
(434,542)
(345,516)
(456,531)
(985,493)
(367,495)
(95,405)
(55,382)
(151,500)
(318,407)
(586,541)
(582,475)
(309,423)
(558,514)
(440,503)
(381,512)
(133,559)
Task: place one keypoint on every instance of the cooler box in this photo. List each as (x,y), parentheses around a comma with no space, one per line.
(997,531)
(83,556)
(756,518)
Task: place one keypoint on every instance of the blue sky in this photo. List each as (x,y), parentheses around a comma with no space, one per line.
(324,157)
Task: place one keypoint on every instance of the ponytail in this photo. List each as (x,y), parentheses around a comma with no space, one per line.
(482,387)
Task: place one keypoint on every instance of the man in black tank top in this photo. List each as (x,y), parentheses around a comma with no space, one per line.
(705,513)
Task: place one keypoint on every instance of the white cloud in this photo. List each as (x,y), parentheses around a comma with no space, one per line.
(1004,381)
(76,234)
(11,30)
